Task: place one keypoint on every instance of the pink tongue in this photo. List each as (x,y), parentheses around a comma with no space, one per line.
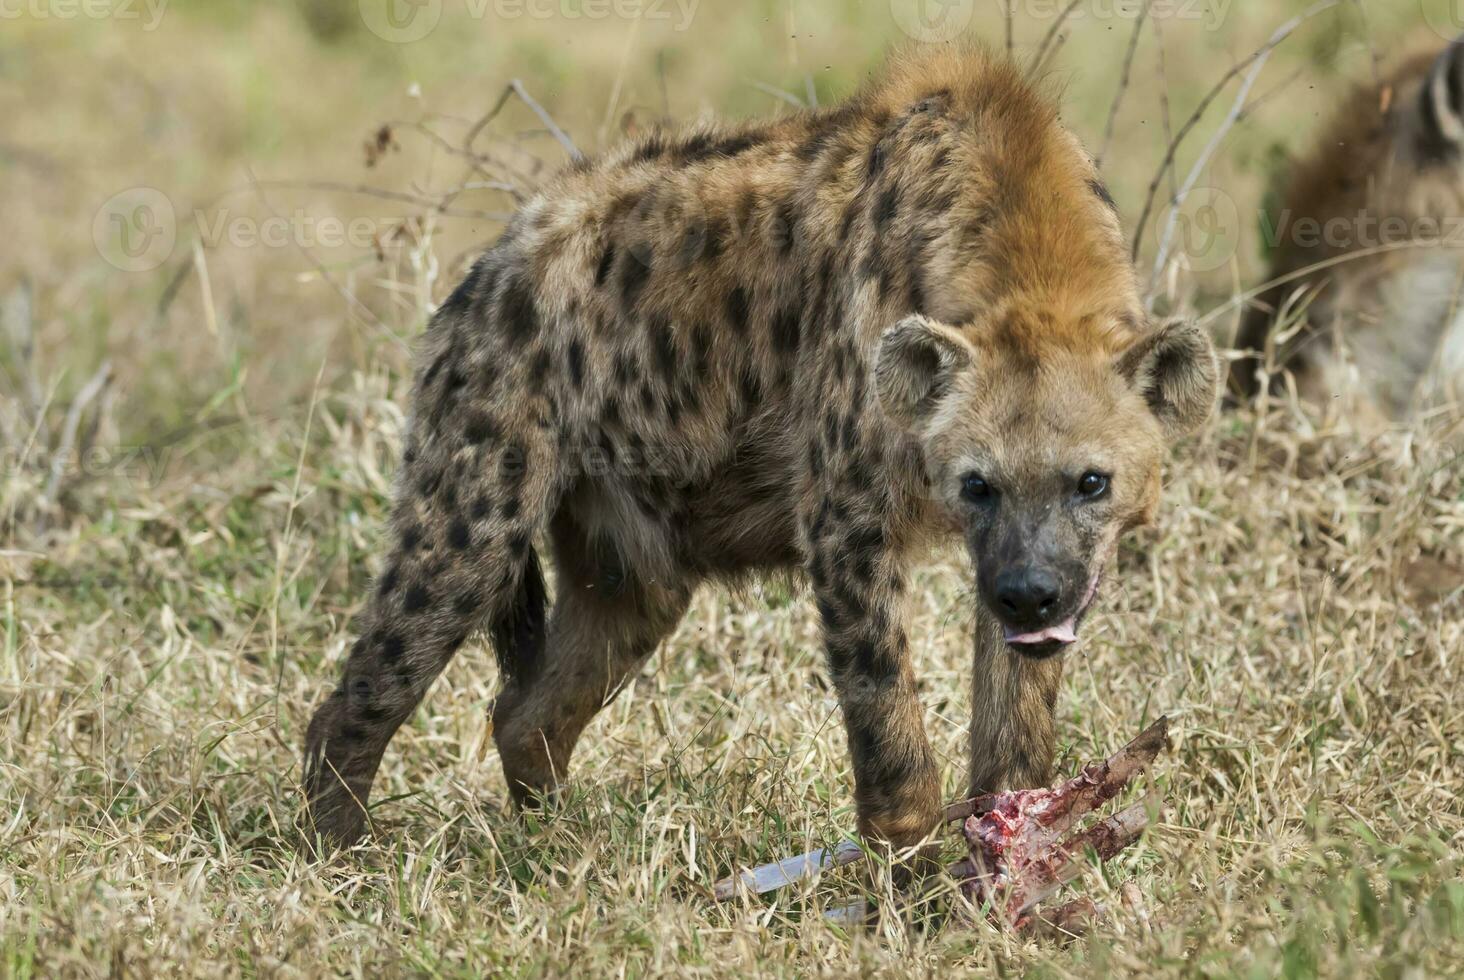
(1066,632)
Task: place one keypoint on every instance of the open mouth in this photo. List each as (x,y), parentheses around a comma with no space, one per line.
(1054,639)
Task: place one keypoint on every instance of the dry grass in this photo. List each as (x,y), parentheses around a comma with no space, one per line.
(169,621)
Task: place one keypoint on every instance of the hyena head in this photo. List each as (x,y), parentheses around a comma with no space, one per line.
(1043,446)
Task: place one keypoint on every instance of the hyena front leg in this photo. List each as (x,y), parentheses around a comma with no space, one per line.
(859,587)
(473,492)
(1013,705)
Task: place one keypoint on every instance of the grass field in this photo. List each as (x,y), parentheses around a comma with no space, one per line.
(186,540)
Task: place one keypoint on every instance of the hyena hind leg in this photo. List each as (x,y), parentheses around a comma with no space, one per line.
(463,558)
(606,623)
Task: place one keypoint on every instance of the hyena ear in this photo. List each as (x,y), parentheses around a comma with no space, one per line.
(1440,105)
(1177,371)
(918,358)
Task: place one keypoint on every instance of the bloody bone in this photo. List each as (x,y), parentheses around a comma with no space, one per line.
(1019,856)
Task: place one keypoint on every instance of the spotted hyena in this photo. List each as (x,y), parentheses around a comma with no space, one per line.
(825,343)
(1369,250)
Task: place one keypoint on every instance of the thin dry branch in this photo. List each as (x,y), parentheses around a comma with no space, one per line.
(516,87)
(1194,120)
(1123,83)
(1236,108)
(1048,45)
(1166,115)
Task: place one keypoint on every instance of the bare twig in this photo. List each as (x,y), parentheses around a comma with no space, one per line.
(1009,14)
(1039,60)
(1165,113)
(1237,106)
(1204,106)
(777,93)
(516,87)
(1123,83)
(1265,287)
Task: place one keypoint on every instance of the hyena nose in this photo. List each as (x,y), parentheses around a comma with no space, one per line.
(1028,595)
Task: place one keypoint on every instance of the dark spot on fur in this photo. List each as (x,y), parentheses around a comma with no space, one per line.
(887,206)
(738,309)
(519,314)
(664,345)
(461,300)
(416,599)
(878,157)
(389,581)
(1100,190)
(785,230)
(575,357)
(479,428)
(459,535)
(652,148)
(717,234)
(787,331)
(513,465)
(633,275)
(392,648)
(602,270)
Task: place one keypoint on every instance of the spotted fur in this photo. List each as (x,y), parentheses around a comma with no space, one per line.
(726,351)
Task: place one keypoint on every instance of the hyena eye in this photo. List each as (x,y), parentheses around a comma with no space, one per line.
(1092,486)
(975,488)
